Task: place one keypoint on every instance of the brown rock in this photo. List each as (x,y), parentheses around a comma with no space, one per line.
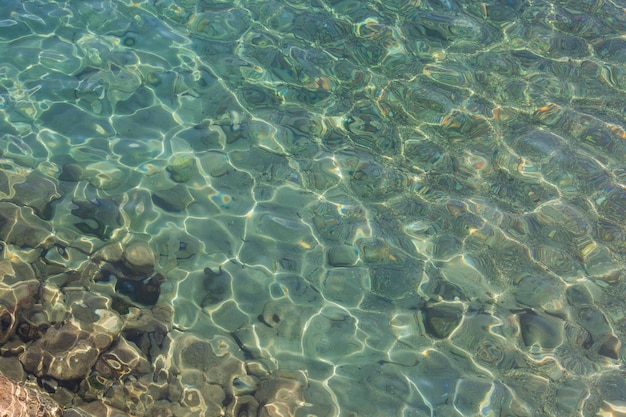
(282,394)
(109,253)
(63,353)
(95,408)
(16,400)
(68,352)
(123,358)
(190,353)
(11,368)
(139,258)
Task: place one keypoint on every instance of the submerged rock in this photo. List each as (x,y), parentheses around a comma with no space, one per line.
(15,296)
(95,408)
(104,175)
(282,394)
(20,226)
(68,352)
(441,319)
(244,406)
(17,400)
(102,217)
(205,371)
(139,258)
(145,291)
(542,330)
(110,253)
(342,255)
(148,328)
(72,172)
(182,168)
(11,368)
(37,192)
(123,358)
(173,199)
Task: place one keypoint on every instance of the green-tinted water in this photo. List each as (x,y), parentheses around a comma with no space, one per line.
(315,208)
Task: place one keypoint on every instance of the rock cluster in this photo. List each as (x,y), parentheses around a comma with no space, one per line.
(88,329)
(17,400)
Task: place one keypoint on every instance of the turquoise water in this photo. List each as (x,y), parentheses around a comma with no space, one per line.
(315,208)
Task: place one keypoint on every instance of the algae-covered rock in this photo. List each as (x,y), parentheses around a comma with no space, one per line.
(182,168)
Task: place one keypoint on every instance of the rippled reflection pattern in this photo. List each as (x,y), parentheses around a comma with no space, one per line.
(314,208)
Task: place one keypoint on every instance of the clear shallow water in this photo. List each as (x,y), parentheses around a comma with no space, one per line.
(395,208)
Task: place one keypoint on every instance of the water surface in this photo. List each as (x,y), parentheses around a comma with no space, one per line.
(394,208)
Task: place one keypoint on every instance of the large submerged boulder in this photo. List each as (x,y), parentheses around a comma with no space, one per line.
(69,351)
